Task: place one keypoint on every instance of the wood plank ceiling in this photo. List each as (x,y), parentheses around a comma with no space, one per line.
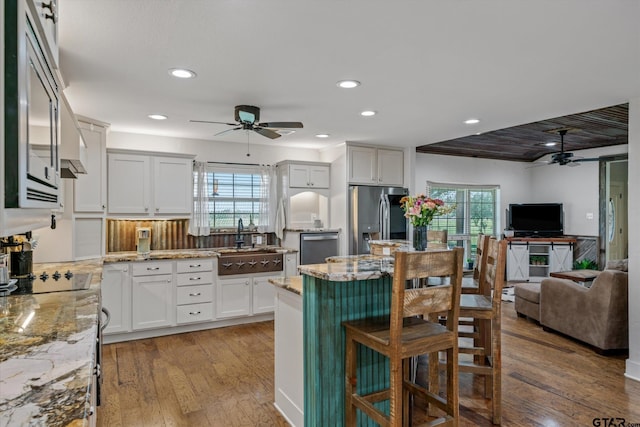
(526,143)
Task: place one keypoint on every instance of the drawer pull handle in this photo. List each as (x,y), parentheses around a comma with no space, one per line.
(197,294)
(153,268)
(194,313)
(195,278)
(195,266)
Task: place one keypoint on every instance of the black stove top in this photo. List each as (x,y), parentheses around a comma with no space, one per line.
(55,282)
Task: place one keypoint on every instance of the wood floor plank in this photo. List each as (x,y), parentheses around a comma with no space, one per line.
(224,377)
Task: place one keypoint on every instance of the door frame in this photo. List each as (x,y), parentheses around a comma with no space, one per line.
(602,205)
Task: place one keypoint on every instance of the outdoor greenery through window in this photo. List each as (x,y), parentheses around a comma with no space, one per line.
(233,194)
(476,212)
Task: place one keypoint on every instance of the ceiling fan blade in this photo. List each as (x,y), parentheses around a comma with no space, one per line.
(592,159)
(228,130)
(267,132)
(281,125)
(208,121)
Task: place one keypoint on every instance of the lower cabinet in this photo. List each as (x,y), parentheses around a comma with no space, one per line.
(152,301)
(116,297)
(244,295)
(194,291)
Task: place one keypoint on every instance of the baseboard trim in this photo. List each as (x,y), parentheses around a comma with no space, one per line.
(632,370)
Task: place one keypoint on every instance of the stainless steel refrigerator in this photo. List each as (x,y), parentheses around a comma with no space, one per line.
(374,213)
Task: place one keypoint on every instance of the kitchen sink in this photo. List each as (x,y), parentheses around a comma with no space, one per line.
(249,260)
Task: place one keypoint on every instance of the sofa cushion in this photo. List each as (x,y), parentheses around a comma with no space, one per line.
(618,264)
(528,291)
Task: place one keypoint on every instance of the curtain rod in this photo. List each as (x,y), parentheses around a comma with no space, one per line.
(237,164)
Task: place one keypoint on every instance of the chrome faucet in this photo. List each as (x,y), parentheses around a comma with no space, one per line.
(239,239)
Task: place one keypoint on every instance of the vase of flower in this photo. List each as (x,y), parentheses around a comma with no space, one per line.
(421,210)
(420,238)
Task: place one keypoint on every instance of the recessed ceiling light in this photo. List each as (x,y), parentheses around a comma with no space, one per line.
(322,135)
(368,113)
(157,116)
(471,121)
(348,84)
(182,73)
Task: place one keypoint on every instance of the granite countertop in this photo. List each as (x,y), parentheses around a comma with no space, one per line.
(291,283)
(187,253)
(312,230)
(363,267)
(47,347)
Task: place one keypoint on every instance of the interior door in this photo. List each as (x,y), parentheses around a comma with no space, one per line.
(616,231)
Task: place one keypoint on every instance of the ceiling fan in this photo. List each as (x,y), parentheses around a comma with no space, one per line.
(247,118)
(566,158)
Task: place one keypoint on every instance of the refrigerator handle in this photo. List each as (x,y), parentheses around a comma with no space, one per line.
(381,215)
(385,218)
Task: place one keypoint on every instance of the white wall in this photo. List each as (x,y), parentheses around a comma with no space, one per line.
(513,178)
(576,187)
(337,156)
(633,363)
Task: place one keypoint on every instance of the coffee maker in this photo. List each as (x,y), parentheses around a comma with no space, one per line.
(143,241)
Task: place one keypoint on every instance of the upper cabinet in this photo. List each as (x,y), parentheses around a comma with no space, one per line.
(149,183)
(73,149)
(90,188)
(371,165)
(309,175)
(45,13)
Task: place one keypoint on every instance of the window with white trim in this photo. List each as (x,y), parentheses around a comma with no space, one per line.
(236,192)
(477,211)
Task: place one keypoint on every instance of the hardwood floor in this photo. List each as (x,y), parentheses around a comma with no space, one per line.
(224,377)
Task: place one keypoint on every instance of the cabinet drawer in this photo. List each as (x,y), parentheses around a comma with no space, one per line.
(197,278)
(194,294)
(151,268)
(189,265)
(194,313)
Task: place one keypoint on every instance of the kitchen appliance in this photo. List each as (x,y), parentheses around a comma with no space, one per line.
(316,247)
(375,213)
(4,269)
(143,240)
(56,282)
(32,117)
(21,263)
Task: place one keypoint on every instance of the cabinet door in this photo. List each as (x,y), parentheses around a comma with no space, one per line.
(172,185)
(362,167)
(233,297)
(290,265)
(319,176)
(129,184)
(90,188)
(561,258)
(390,167)
(152,303)
(116,297)
(264,294)
(517,262)
(299,176)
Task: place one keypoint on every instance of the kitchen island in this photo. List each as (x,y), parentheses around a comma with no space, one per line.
(352,288)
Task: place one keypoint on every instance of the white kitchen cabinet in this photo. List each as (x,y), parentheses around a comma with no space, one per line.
(194,291)
(146,184)
(45,15)
(233,297)
(116,297)
(309,175)
(152,295)
(291,264)
(90,189)
(264,294)
(375,165)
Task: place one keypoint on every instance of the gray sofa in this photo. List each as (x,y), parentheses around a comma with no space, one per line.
(597,315)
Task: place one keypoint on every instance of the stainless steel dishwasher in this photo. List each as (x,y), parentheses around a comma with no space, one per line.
(315,247)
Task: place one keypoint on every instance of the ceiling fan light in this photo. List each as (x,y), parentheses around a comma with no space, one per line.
(368,113)
(182,73)
(472,121)
(284,132)
(157,116)
(322,135)
(550,144)
(348,84)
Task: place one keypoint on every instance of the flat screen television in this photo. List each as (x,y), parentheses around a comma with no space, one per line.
(536,219)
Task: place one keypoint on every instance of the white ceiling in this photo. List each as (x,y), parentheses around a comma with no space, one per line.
(425,66)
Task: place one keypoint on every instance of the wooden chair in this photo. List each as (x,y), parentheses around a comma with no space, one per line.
(437,239)
(474,285)
(410,330)
(485,310)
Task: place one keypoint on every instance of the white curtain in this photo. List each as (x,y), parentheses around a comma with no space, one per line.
(268,202)
(199,224)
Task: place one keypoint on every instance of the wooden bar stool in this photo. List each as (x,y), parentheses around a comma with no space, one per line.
(411,329)
(472,285)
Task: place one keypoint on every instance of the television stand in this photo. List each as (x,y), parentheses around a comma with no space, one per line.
(532,259)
